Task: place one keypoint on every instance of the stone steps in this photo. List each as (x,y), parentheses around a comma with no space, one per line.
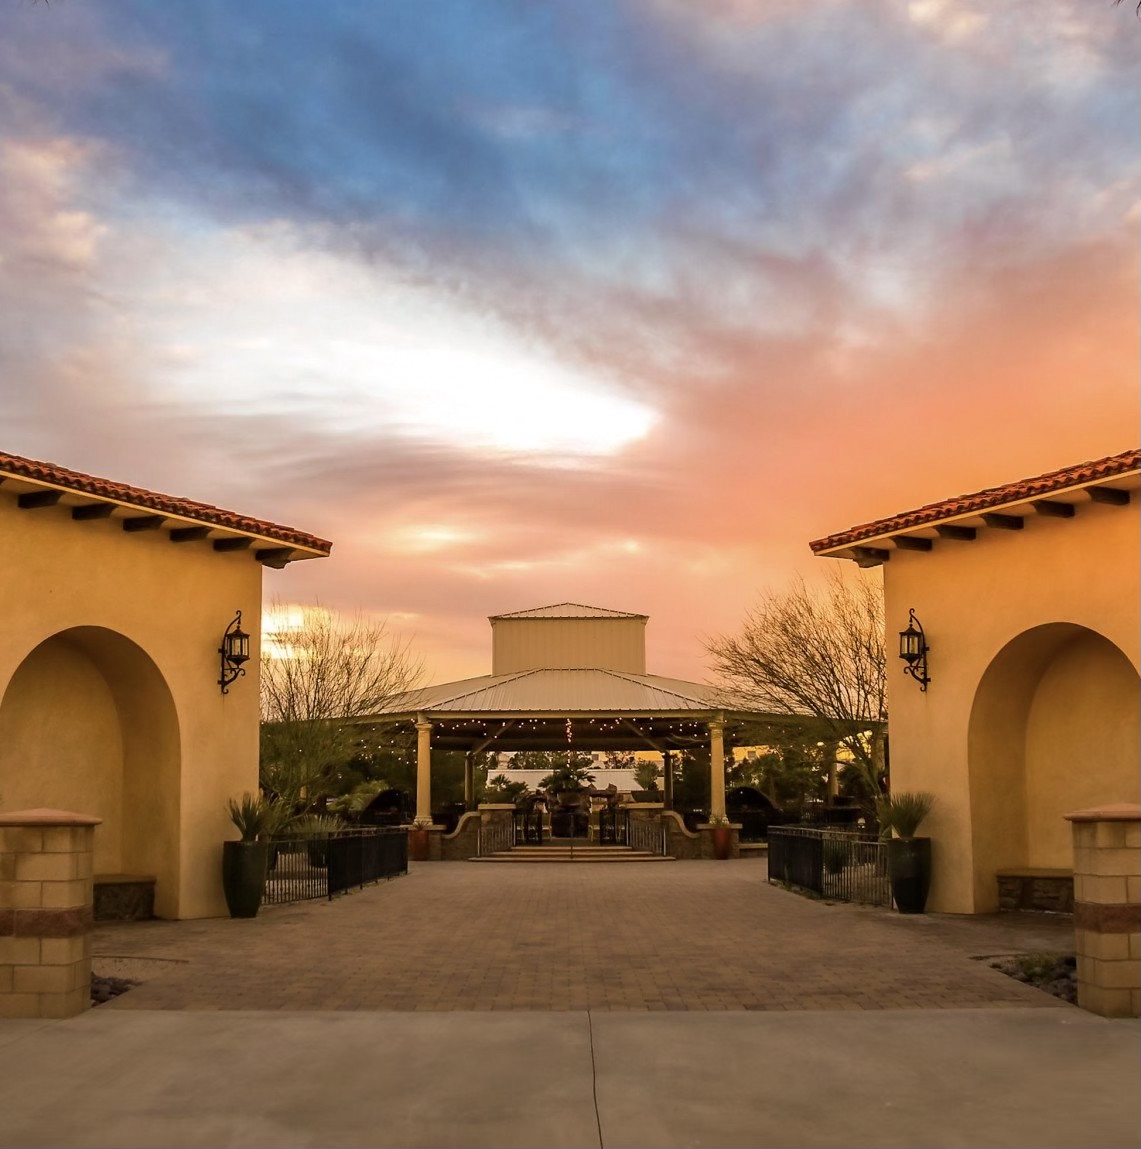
(608,854)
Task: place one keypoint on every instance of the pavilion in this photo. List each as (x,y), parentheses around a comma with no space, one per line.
(566,677)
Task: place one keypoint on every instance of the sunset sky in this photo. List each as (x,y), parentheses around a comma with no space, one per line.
(617,303)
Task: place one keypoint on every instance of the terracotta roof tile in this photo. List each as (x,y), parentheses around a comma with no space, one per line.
(40,472)
(1037,487)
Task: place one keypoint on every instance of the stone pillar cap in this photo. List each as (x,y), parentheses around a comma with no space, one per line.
(1119,812)
(45,817)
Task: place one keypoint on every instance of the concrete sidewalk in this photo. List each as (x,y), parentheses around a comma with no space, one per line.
(1011,1077)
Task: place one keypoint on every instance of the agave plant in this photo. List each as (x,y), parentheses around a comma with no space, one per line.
(257,817)
(903,812)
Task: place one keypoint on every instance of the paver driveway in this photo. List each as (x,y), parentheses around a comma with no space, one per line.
(672,936)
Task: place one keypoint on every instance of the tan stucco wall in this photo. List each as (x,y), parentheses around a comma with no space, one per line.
(109,701)
(561,643)
(1034,617)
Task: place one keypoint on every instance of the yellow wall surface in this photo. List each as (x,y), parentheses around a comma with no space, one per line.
(109,703)
(568,643)
(1032,709)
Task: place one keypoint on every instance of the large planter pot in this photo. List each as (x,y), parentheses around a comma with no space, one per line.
(417,845)
(909,865)
(722,842)
(243,876)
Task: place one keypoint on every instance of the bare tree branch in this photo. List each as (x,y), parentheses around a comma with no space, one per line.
(326,668)
(804,653)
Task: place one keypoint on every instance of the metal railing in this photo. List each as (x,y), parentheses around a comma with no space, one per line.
(646,834)
(841,865)
(496,836)
(305,868)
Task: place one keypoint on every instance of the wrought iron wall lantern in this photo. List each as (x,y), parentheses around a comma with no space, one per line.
(913,650)
(235,650)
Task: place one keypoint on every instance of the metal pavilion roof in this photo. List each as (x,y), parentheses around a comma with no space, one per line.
(565,691)
(568,610)
(591,708)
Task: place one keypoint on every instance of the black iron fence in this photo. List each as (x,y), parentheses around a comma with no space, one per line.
(321,865)
(842,865)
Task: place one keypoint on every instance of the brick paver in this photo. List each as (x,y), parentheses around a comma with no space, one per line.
(678,936)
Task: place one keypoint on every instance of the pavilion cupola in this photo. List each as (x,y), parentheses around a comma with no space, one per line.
(568,636)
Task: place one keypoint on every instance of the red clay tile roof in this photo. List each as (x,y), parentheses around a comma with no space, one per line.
(1037,487)
(16,466)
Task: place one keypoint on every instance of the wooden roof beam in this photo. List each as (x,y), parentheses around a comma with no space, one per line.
(276,557)
(1053,508)
(961,534)
(34,500)
(870,556)
(1111,496)
(641,734)
(1003,522)
(478,747)
(188,534)
(232,543)
(913,543)
(88,511)
(143,523)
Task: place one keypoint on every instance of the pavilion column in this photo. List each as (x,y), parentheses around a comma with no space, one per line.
(717,768)
(668,779)
(469,780)
(833,772)
(423,770)
(879,753)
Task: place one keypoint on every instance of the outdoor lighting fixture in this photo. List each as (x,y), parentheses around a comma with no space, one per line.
(235,650)
(913,650)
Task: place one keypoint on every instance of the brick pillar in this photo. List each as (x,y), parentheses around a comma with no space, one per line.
(45,913)
(1107,908)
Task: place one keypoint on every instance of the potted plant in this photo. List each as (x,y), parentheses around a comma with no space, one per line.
(908,856)
(418,839)
(722,836)
(244,862)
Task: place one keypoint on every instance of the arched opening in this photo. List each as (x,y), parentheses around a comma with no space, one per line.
(88,723)
(1053,728)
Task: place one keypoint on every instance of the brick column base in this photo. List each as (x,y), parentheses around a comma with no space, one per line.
(45,913)
(1107,909)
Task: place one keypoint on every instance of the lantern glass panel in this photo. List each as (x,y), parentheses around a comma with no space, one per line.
(238,647)
(909,644)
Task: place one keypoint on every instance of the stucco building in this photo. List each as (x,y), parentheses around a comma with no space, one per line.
(113,606)
(1027,595)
